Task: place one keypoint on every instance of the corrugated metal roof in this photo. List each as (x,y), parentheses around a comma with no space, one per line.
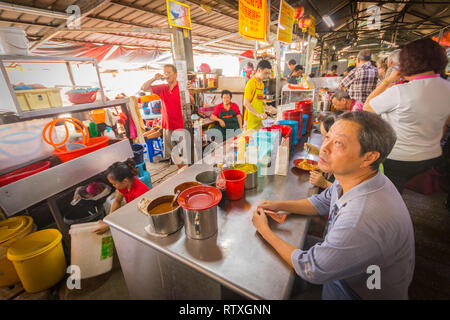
(222,20)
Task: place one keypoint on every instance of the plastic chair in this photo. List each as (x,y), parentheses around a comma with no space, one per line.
(144,175)
(154,148)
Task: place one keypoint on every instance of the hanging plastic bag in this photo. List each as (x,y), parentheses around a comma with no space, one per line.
(94,191)
(282,162)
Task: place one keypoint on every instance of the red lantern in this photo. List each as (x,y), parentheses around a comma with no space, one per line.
(305,23)
(299,11)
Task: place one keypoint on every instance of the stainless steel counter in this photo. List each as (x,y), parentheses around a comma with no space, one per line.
(237,257)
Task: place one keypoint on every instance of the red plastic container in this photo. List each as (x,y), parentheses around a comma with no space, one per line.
(295,115)
(306,107)
(94,144)
(23,172)
(234,183)
(82,97)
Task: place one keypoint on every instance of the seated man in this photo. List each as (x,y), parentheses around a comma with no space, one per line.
(368,251)
(341,101)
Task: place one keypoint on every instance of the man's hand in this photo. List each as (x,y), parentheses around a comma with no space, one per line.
(262,116)
(260,220)
(269,205)
(222,123)
(159,76)
(317,179)
(102,227)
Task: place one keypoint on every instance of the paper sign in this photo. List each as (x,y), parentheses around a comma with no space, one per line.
(285,22)
(182,78)
(253,19)
(179,14)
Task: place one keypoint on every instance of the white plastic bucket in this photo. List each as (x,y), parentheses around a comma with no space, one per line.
(13,41)
(92,253)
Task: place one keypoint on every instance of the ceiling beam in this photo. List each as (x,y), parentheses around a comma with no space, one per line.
(33,11)
(86,8)
(242,46)
(162,14)
(230,4)
(199,3)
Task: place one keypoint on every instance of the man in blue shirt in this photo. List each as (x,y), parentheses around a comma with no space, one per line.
(368,251)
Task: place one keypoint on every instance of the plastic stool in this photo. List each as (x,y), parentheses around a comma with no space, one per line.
(144,175)
(154,148)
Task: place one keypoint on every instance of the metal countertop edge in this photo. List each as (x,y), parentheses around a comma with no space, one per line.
(191,264)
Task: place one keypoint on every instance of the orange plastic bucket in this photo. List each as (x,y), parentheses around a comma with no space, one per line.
(93,145)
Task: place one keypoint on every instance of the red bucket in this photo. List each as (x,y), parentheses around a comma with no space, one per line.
(306,107)
(235,181)
(94,144)
(23,172)
(295,115)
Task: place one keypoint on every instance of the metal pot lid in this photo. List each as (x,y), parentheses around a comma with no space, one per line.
(199,198)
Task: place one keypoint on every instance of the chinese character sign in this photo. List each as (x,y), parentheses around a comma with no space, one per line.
(286,22)
(179,14)
(312,27)
(253,19)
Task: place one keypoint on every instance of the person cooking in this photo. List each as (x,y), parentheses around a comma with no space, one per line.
(171,114)
(254,96)
(123,177)
(228,116)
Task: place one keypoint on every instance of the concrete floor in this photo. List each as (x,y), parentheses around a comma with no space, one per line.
(431,280)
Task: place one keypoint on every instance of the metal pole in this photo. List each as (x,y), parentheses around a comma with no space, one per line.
(183,58)
(278,68)
(320,63)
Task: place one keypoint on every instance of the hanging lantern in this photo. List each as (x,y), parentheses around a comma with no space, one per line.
(305,23)
(299,11)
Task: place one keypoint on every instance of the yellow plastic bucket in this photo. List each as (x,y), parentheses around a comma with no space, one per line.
(11,230)
(39,260)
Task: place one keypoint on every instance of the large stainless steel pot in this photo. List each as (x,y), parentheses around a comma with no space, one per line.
(207,178)
(200,224)
(164,223)
(251,180)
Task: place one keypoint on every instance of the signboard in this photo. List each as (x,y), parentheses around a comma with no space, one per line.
(312,28)
(179,14)
(253,19)
(285,22)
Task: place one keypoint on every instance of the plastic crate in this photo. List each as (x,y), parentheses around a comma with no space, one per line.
(36,99)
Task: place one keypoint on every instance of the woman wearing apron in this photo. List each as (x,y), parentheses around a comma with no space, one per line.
(228,116)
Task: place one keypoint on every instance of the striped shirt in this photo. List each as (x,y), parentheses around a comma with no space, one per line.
(360,82)
(368,226)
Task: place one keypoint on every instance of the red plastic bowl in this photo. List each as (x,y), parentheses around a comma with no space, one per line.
(82,97)
(23,172)
(199,198)
(93,145)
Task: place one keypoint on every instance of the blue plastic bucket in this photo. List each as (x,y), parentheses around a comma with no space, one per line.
(305,123)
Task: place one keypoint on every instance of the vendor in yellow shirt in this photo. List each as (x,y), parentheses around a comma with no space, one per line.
(254,96)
